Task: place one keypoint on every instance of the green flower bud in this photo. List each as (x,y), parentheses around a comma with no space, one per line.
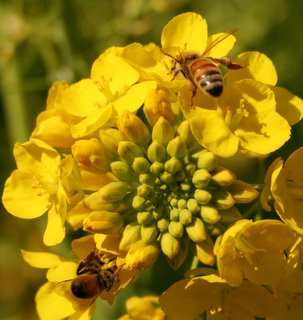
(128,151)
(223,177)
(174,214)
(141,165)
(243,192)
(138,202)
(207,160)
(223,199)
(162,224)
(163,131)
(182,204)
(157,168)
(167,177)
(122,170)
(133,128)
(193,205)
(131,234)
(156,152)
(170,245)
(149,232)
(114,191)
(201,178)
(144,190)
(185,186)
(173,165)
(144,217)
(210,214)
(103,222)
(185,217)
(196,230)
(175,228)
(176,148)
(202,196)
(146,178)
(185,133)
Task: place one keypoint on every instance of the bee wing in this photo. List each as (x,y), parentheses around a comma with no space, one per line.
(219,39)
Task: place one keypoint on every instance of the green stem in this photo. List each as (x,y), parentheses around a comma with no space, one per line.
(194,263)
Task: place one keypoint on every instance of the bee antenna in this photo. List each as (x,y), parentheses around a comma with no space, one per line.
(169,55)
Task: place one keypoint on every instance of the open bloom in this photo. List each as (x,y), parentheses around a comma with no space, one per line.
(42,183)
(212,296)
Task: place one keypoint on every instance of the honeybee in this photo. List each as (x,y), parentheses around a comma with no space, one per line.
(203,71)
(96,273)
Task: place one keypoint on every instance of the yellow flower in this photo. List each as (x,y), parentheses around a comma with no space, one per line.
(251,114)
(216,299)
(287,189)
(42,183)
(73,286)
(253,250)
(143,308)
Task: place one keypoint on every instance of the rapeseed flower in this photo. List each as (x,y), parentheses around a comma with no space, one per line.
(132,157)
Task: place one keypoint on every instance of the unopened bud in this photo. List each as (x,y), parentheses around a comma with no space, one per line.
(176,148)
(170,245)
(223,177)
(103,222)
(138,202)
(210,214)
(205,252)
(157,168)
(243,192)
(94,202)
(201,178)
(144,190)
(185,217)
(142,255)
(230,215)
(193,205)
(133,128)
(185,133)
(162,224)
(156,152)
(173,165)
(114,191)
(181,256)
(196,230)
(110,139)
(176,229)
(141,165)
(149,232)
(202,196)
(128,151)
(144,217)
(223,199)
(207,160)
(122,171)
(131,234)
(163,131)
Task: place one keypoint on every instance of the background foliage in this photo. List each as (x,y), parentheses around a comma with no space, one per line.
(45,40)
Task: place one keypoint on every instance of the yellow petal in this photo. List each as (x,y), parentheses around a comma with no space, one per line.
(219,45)
(256,66)
(64,271)
(51,306)
(55,231)
(289,106)
(41,259)
(187,31)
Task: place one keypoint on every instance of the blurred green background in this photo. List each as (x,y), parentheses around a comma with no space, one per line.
(45,40)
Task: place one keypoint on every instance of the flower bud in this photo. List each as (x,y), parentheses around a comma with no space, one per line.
(157,105)
(131,234)
(223,177)
(205,253)
(176,229)
(202,196)
(196,230)
(185,217)
(201,178)
(103,222)
(181,256)
(162,224)
(157,168)
(133,128)
(207,160)
(223,199)
(94,202)
(185,133)
(144,190)
(169,245)
(114,191)
(144,217)
(145,178)
(138,202)
(128,151)
(167,178)
(110,139)
(142,255)
(149,232)
(176,148)
(163,131)
(173,165)
(156,152)
(230,215)
(193,205)
(122,171)
(210,214)
(141,165)
(243,192)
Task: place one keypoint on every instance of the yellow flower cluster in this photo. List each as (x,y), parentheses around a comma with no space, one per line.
(133,155)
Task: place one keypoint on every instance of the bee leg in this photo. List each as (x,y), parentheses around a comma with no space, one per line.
(226,62)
